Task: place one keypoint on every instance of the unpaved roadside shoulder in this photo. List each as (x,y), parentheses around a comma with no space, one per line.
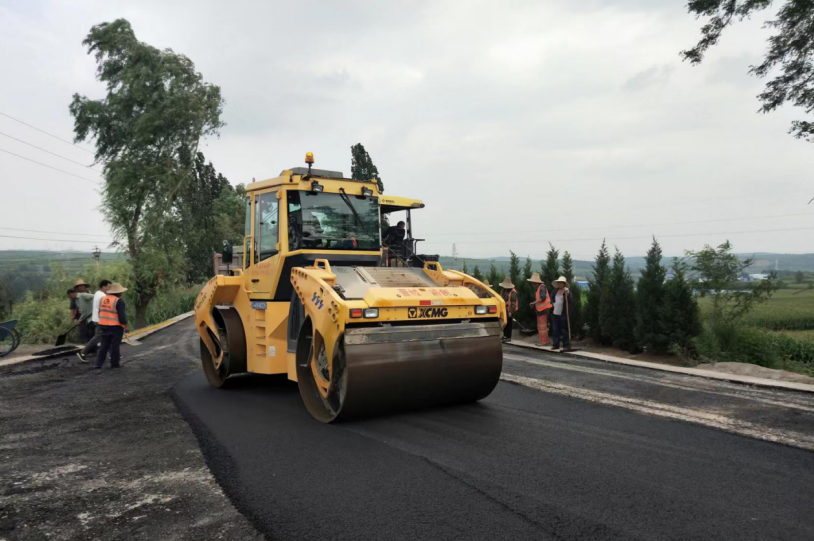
(105,455)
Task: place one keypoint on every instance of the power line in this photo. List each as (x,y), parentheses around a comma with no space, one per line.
(49,167)
(57,232)
(45,132)
(54,240)
(627,226)
(49,152)
(505,241)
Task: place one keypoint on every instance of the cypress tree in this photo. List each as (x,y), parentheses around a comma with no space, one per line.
(575,310)
(551,267)
(601,269)
(464,269)
(514,268)
(477,275)
(649,297)
(617,319)
(494,277)
(679,314)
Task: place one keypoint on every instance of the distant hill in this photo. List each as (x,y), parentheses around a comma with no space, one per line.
(764,262)
(40,260)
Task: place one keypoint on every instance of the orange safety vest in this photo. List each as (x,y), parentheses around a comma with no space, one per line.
(541,305)
(107,311)
(511,300)
(352,239)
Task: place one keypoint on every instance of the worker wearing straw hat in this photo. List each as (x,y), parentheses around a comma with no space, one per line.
(113,320)
(509,294)
(561,313)
(542,305)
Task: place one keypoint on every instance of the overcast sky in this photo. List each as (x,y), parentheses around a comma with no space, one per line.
(517,122)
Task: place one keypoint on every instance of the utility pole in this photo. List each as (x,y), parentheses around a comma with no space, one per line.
(454,256)
(97,254)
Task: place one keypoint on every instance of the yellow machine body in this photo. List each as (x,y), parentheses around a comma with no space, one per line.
(310,269)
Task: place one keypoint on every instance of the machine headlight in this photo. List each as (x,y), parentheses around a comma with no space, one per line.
(371,313)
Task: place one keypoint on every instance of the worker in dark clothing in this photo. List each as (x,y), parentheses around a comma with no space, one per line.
(509,295)
(394,235)
(113,320)
(73,307)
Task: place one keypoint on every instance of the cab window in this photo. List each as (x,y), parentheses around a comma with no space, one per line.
(266,226)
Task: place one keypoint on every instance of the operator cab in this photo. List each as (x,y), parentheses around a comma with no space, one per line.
(306,214)
(400,248)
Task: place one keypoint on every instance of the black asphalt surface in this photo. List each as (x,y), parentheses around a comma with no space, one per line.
(522,464)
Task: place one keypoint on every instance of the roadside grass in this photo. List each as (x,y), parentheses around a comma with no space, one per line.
(776,334)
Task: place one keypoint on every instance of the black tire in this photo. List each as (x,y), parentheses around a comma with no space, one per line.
(233,338)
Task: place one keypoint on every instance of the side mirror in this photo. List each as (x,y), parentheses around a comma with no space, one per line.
(226,253)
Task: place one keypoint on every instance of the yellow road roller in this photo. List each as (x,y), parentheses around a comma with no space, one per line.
(347,308)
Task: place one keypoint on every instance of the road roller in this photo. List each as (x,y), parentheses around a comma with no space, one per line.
(326,291)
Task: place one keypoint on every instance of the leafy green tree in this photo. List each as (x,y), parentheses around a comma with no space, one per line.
(799,277)
(464,268)
(476,274)
(679,314)
(650,333)
(617,319)
(575,311)
(717,271)
(362,167)
(789,59)
(198,206)
(551,267)
(601,272)
(147,129)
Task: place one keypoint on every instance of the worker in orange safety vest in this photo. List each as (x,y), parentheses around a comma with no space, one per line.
(113,321)
(509,294)
(542,305)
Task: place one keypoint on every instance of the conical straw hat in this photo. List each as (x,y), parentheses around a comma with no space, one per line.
(115,288)
(506,283)
(561,279)
(535,278)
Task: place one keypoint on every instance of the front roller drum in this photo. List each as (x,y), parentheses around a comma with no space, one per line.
(231,341)
(381,370)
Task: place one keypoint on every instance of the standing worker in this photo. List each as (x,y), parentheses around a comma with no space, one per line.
(73,307)
(542,305)
(562,306)
(509,294)
(113,320)
(84,303)
(96,329)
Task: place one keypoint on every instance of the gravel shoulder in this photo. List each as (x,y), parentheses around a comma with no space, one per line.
(88,454)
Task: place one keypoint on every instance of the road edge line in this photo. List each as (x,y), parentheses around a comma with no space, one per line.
(709,374)
(140,333)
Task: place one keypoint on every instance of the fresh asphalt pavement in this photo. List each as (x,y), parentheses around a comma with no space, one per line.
(563,449)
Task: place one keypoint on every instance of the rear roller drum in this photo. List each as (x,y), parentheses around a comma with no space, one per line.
(232,339)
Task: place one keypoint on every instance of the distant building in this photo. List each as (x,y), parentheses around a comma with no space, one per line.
(581,281)
(758,277)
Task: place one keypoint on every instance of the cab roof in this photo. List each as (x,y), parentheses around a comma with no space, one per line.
(393,203)
(299,178)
